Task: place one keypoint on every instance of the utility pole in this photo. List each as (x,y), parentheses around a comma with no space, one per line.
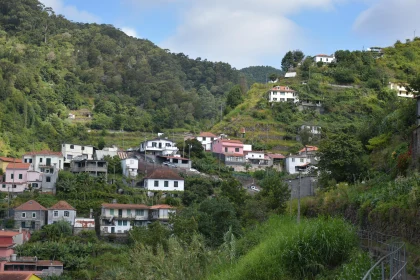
(291,196)
(298,213)
(145,160)
(189,151)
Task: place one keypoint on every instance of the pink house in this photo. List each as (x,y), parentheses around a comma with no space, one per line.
(16,177)
(231,152)
(8,240)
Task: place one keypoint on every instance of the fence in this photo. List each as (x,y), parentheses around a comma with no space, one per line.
(391,255)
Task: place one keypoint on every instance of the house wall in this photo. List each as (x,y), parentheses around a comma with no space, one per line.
(38,161)
(220,146)
(159,147)
(293,161)
(328,59)
(149,184)
(71,151)
(130,167)
(6,252)
(206,142)
(126,213)
(40,219)
(401,90)
(179,162)
(60,216)
(81,224)
(283,96)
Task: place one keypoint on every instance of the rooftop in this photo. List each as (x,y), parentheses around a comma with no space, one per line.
(44,153)
(324,55)
(17,275)
(62,205)
(30,205)
(24,166)
(164,174)
(276,156)
(124,206)
(309,149)
(161,206)
(282,88)
(207,134)
(7,159)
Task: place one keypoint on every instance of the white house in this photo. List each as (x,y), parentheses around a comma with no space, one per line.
(159,147)
(294,163)
(247,148)
(83,224)
(283,94)
(130,167)
(206,139)
(401,90)
(120,218)
(108,151)
(257,157)
(61,211)
(290,75)
(324,58)
(71,151)
(164,180)
(314,129)
(44,159)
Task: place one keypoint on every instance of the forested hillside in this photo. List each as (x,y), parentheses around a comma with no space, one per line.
(50,66)
(260,74)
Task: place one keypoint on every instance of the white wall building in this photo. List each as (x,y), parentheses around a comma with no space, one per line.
(283,94)
(70,151)
(120,218)
(324,58)
(44,159)
(159,147)
(161,212)
(401,90)
(206,139)
(61,211)
(164,180)
(108,151)
(296,162)
(314,129)
(130,167)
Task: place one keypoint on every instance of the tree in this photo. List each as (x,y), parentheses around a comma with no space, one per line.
(342,157)
(287,61)
(234,97)
(275,192)
(273,77)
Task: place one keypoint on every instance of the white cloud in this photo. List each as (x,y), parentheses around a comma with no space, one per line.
(241,32)
(70,12)
(130,31)
(389,20)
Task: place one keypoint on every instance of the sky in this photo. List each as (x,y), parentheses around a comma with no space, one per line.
(252,32)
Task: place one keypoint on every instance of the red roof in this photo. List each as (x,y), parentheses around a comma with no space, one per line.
(124,206)
(24,166)
(62,205)
(44,153)
(161,206)
(30,205)
(8,233)
(309,149)
(207,134)
(324,55)
(49,263)
(7,159)
(282,88)
(164,174)
(276,156)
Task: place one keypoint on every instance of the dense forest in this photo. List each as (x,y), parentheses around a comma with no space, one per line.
(50,66)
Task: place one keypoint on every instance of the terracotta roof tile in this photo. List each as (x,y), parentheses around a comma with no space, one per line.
(44,153)
(309,149)
(164,174)
(324,55)
(282,88)
(161,206)
(124,206)
(24,166)
(49,263)
(62,205)
(16,275)
(8,233)
(30,205)
(207,134)
(7,159)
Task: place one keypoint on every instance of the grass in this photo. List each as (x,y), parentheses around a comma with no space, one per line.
(282,249)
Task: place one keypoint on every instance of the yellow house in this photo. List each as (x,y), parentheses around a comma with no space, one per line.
(4,161)
(19,275)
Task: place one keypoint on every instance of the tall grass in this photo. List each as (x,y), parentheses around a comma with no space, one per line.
(292,251)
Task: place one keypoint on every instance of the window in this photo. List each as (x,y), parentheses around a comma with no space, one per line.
(156,183)
(40,160)
(12,176)
(204,138)
(30,160)
(166,184)
(154,144)
(128,212)
(83,148)
(274,99)
(120,223)
(71,146)
(26,160)
(293,159)
(70,157)
(236,150)
(20,176)
(301,160)
(23,215)
(139,212)
(66,213)
(226,149)
(124,223)
(48,179)
(33,214)
(111,212)
(14,186)
(55,213)
(3,186)
(176,184)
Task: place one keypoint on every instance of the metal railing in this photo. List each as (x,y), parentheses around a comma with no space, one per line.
(391,255)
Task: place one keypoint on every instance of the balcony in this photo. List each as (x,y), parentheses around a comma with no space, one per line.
(125,217)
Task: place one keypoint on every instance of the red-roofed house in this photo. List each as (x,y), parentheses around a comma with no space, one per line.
(41,268)
(283,94)
(324,58)
(61,211)
(30,215)
(161,212)
(16,178)
(206,139)
(18,275)
(164,180)
(4,161)
(9,239)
